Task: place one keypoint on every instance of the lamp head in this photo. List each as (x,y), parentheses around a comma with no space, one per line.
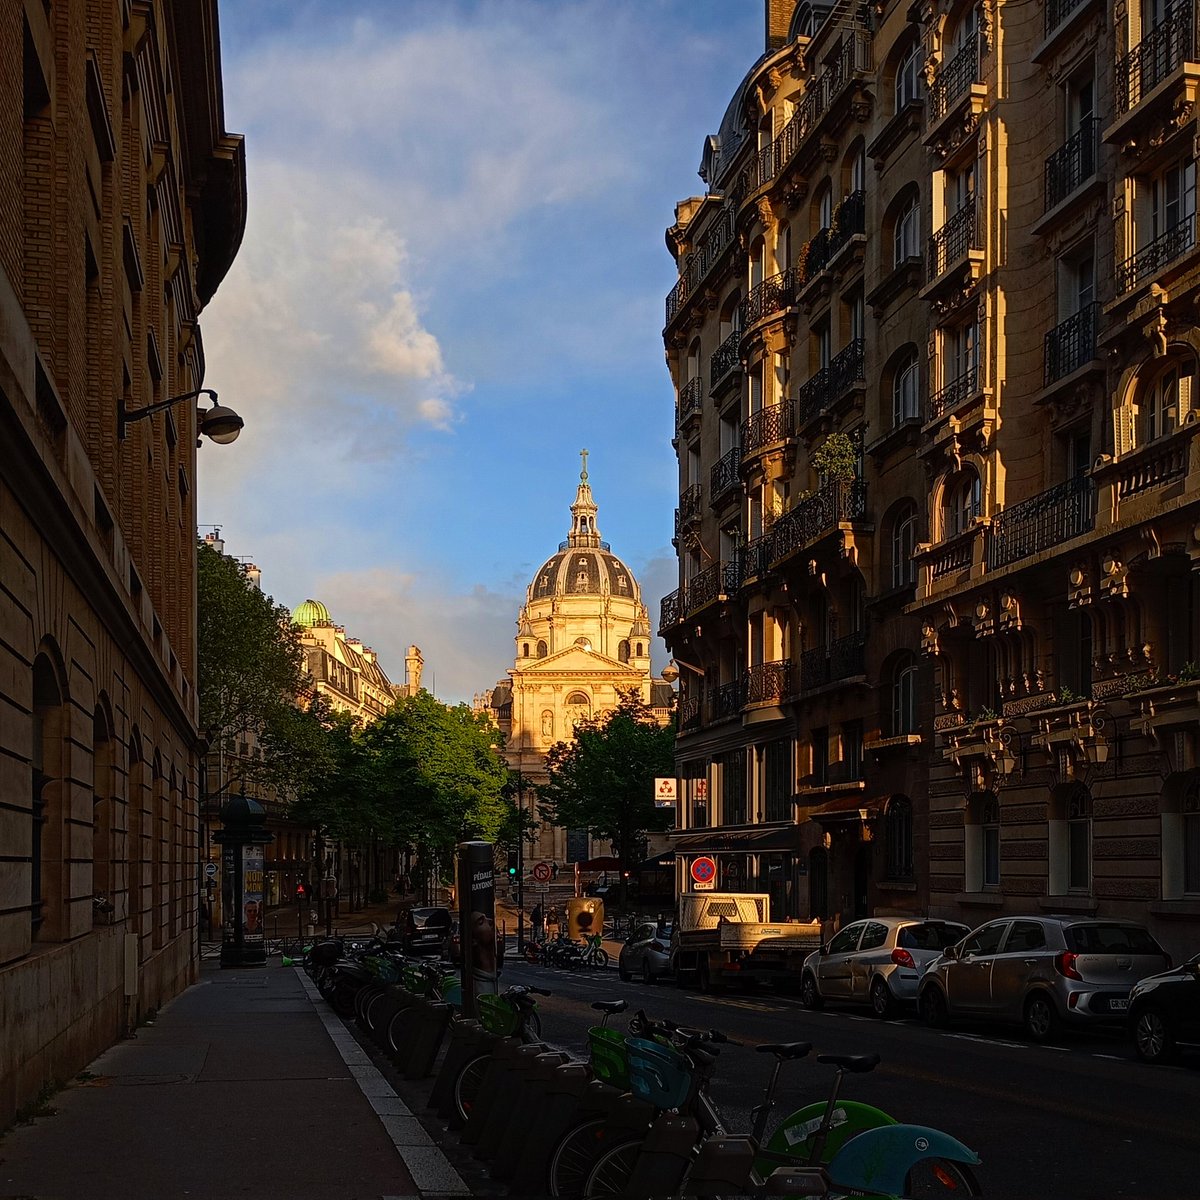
(219,423)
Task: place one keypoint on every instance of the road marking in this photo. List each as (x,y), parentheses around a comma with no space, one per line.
(986,1041)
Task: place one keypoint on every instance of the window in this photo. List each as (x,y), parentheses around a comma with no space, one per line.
(852,758)
(1079,840)
(1025,935)
(906,237)
(908,76)
(904,697)
(778,781)
(991,842)
(820,757)
(898,834)
(731,771)
(623,652)
(1076,280)
(904,545)
(961,347)
(984,941)
(1172,198)
(1161,405)
(962,502)
(874,935)
(541,650)
(846,940)
(906,383)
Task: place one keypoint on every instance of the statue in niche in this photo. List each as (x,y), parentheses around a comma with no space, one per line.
(547,724)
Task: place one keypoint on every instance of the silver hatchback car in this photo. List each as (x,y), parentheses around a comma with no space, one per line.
(1041,972)
(877,961)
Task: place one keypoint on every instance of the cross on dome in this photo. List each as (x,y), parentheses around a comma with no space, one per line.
(583,512)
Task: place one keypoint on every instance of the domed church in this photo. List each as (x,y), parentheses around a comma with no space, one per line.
(583,638)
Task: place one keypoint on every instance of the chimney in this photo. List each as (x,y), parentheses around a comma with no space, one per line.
(254,576)
(413,662)
(779,17)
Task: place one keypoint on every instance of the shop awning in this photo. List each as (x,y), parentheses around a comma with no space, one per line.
(606,863)
(660,862)
(847,808)
(739,841)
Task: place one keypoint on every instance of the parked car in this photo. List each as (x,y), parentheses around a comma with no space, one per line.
(1041,972)
(1164,1012)
(878,961)
(647,952)
(424,930)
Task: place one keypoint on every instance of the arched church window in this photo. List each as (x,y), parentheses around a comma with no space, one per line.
(639,650)
(623,652)
(525,650)
(542,650)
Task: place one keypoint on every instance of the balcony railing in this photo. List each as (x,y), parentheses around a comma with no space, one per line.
(1151,468)
(956,392)
(838,501)
(849,218)
(725,359)
(954,239)
(1048,519)
(725,473)
(1161,51)
(954,554)
(1071,343)
(727,699)
(953,79)
(691,400)
(754,558)
(1057,11)
(768,298)
(1151,258)
(1072,163)
(828,384)
(768,425)
(769,682)
(814,257)
(719,579)
(691,501)
(567,545)
(689,712)
(842,659)
(696,266)
(670,610)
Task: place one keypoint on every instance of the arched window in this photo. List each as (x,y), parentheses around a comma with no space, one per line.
(525,650)
(45,857)
(693,359)
(904,545)
(908,76)
(962,502)
(854,169)
(1164,402)
(906,232)
(904,696)
(823,206)
(906,389)
(639,651)
(541,649)
(898,835)
(623,652)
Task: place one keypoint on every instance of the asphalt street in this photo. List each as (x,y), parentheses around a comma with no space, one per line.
(1081,1119)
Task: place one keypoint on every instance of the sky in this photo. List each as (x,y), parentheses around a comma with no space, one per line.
(451,282)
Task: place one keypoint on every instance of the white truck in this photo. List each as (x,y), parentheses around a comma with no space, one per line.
(725,937)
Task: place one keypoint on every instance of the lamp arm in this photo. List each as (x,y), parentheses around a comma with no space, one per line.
(150,409)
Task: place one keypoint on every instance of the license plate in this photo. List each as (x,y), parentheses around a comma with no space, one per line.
(1119,1005)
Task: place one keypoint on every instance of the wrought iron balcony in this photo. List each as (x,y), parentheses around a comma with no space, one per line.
(1057,11)
(727,700)
(696,266)
(1151,258)
(670,610)
(849,218)
(839,501)
(814,257)
(715,581)
(768,425)
(1072,163)
(1071,344)
(1164,48)
(1048,519)
(840,660)
(953,80)
(830,383)
(725,473)
(955,393)
(726,359)
(769,682)
(754,558)
(690,505)
(689,712)
(768,298)
(958,235)
(691,401)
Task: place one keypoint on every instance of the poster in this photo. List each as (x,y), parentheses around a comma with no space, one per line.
(252,895)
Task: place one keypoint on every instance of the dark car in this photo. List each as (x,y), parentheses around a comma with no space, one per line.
(424,930)
(1164,1012)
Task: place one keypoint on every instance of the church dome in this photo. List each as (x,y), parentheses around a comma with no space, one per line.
(310,613)
(584,565)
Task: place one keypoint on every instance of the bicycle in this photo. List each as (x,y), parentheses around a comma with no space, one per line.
(427,981)
(815,1152)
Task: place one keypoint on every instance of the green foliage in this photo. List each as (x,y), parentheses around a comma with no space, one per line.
(836,458)
(603,781)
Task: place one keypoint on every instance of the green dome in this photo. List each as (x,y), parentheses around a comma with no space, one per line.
(310,613)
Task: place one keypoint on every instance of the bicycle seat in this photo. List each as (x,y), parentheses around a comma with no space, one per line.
(610,1006)
(786,1049)
(858,1064)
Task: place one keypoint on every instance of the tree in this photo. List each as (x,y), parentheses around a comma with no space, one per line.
(250,676)
(603,781)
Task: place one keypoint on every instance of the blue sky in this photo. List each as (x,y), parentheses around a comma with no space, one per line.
(452,280)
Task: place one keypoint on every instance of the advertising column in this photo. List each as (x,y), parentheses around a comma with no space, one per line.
(477,921)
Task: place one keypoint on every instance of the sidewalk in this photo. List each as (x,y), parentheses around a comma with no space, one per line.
(242,1086)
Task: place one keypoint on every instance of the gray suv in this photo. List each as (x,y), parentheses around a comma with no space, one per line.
(1041,972)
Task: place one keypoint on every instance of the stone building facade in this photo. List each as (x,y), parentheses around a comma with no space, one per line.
(934,349)
(122,204)
(583,640)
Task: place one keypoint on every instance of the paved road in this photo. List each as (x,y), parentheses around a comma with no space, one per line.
(1080,1120)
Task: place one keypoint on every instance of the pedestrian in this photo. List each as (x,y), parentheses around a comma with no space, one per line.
(535,918)
(551,918)
(554,870)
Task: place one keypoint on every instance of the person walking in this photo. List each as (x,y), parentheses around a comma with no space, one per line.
(535,919)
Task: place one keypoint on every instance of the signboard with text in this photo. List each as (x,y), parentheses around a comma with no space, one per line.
(704,874)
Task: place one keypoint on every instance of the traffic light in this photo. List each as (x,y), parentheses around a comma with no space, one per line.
(512,864)
(299,891)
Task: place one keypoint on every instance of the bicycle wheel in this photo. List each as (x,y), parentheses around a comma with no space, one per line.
(611,1172)
(466,1086)
(372,1009)
(940,1177)
(572,1160)
(600,959)
(533,1025)
(397,1030)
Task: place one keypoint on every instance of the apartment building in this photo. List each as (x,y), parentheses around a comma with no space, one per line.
(933,347)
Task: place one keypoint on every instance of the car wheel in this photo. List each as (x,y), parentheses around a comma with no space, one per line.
(810,997)
(647,974)
(1040,1017)
(882,1003)
(934,1011)
(1152,1038)
(623,971)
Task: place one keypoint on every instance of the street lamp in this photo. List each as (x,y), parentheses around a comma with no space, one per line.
(219,423)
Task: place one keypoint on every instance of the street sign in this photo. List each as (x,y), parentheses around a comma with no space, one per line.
(541,872)
(210,870)
(665,790)
(704,873)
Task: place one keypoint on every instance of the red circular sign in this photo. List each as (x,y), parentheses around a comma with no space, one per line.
(704,870)
(541,872)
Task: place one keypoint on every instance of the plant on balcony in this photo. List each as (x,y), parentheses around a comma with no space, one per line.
(802,263)
(836,458)
(1189,672)
(1067,695)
